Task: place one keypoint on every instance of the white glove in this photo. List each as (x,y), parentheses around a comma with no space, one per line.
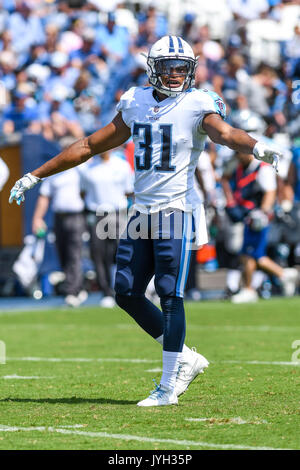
(267,154)
(27,181)
(258,220)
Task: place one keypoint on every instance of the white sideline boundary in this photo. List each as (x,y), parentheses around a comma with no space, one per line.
(140,361)
(129,437)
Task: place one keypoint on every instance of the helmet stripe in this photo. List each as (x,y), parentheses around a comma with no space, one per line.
(181,51)
(171,44)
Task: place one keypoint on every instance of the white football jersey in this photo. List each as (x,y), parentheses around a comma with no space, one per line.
(168,138)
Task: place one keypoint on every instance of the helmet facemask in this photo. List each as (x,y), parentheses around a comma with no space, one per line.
(164,71)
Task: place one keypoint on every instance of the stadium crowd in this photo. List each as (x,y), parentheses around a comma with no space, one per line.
(65,64)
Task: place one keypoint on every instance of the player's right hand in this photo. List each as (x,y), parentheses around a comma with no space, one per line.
(27,181)
(267,154)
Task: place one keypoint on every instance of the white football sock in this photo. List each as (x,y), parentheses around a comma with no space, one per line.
(171,362)
(185,349)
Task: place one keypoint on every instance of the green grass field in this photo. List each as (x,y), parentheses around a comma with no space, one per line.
(247,398)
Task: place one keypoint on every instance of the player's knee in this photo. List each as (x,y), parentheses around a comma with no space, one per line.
(122,283)
(165,285)
(262,261)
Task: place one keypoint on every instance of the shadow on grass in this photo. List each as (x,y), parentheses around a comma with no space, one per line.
(69,401)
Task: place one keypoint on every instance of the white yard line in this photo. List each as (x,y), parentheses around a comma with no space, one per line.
(81,359)
(140,361)
(222,421)
(259,363)
(23,377)
(18,311)
(73,426)
(259,328)
(129,437)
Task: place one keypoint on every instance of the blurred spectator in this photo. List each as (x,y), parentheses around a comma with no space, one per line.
(250,194)
(61,72)
(291,53)
(248,9)
(188,27)
(87,49)
(146,34)
(71,40)
(126,19)
(291,109)
(106,181)
(52,36)
(26,29)
(202,76)
(62,191)
(8,64)
(212,50)
(158,19)
(88,55)
(113,40)
(291,203)
(86,104)
(265,92)
(6,41)
(227,83)
(20,115)
(205,183)
(58,117)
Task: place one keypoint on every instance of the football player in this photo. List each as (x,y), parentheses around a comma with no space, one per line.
(169,122)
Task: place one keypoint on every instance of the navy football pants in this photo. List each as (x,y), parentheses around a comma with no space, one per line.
(157,244)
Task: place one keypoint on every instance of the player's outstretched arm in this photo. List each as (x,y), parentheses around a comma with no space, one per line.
(109,137)
(222,133)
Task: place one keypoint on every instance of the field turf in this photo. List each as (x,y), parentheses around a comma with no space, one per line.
(73,377)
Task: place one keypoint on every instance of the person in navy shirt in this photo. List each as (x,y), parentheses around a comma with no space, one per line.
(19,115)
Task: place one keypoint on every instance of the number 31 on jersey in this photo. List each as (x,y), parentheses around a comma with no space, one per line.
(143,132)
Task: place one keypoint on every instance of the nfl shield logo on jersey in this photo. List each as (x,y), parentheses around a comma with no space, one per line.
(156,109)
(220,105)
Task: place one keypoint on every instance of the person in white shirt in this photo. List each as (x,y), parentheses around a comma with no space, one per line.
(250,193)
(106,182)
(62,191)
(169,122)
(4,173)
(248,9)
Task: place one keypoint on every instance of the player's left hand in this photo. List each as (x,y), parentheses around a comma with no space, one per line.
(267,154)
(28,181)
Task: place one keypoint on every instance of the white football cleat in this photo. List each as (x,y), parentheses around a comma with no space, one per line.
(72,301)
(159,397)
(107,302)
(82,296)
(289,281)
(245,295)
(76,300)
(190,367)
